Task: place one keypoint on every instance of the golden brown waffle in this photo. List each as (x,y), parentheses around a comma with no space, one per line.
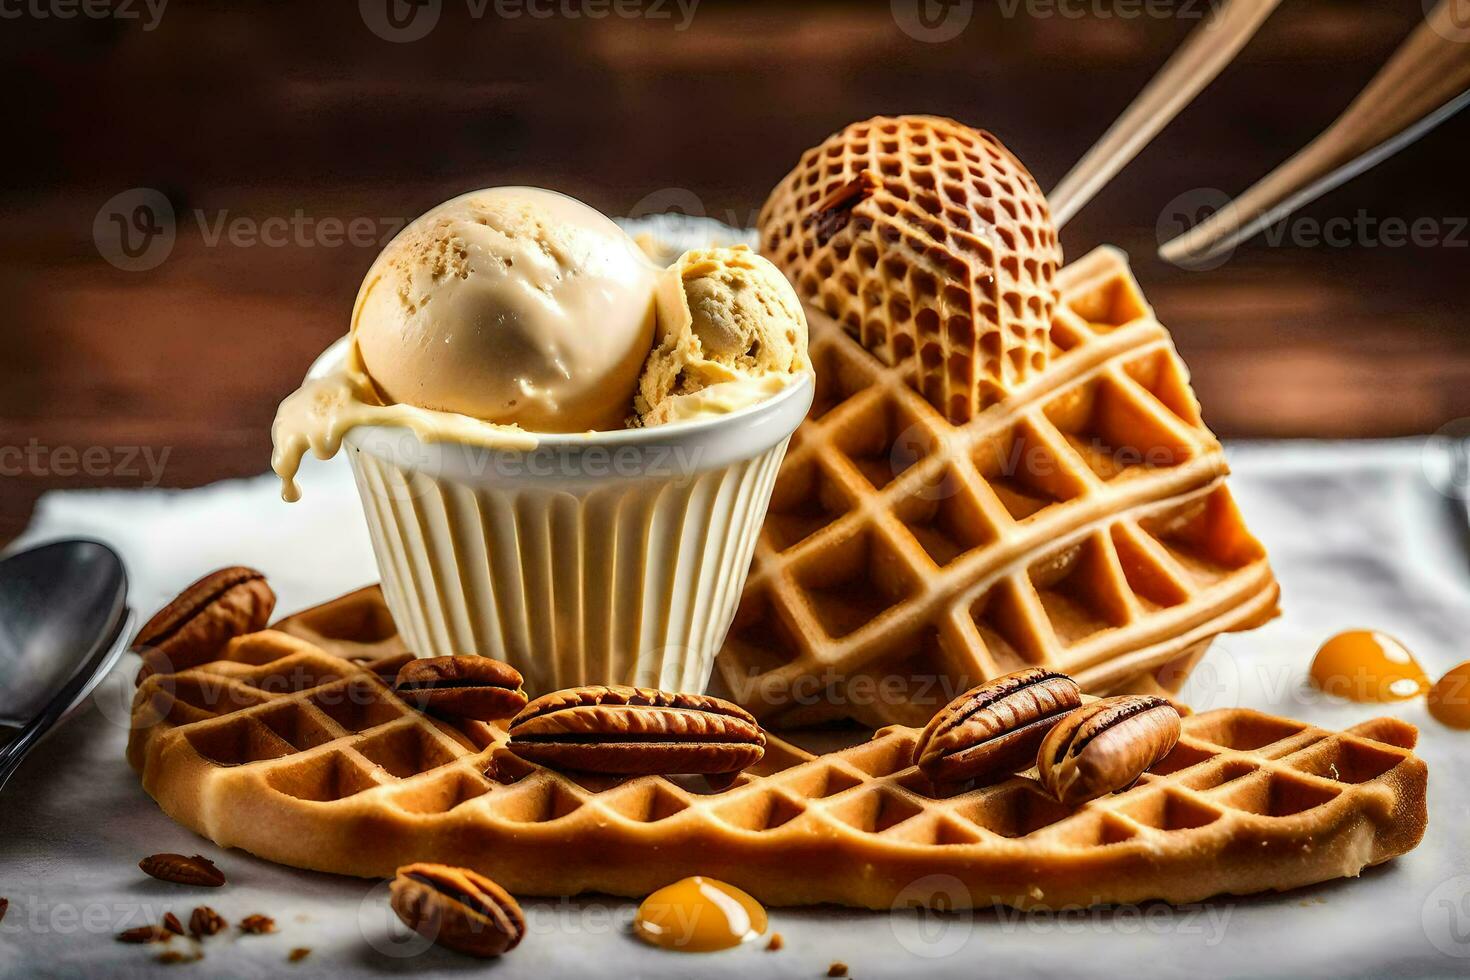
(356,626)
(932,244)
(1082,524)
(302,757)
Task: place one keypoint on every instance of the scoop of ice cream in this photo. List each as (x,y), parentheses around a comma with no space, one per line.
(724,315)
(514,305)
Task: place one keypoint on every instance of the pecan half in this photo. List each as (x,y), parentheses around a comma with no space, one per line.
(194,628)
(172,924)
(634,730)
(205,921)
(181,870)
(145,934)
(994,730)
(835,211)
(457,909)
(1105,746)
(462,687)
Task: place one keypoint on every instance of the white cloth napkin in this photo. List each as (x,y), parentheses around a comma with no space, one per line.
(1358,534)
(1359,537)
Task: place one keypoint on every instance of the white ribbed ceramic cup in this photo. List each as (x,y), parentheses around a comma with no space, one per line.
(597,558)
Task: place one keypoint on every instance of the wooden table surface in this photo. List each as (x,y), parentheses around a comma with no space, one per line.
(275,131)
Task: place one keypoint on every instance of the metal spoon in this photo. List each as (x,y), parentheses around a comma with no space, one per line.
(63,619)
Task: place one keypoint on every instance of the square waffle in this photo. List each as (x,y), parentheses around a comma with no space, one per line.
(292,751)
(1082,523)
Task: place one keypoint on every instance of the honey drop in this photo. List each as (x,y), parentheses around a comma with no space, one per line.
(699,915)
(1449,700)
(1367,666)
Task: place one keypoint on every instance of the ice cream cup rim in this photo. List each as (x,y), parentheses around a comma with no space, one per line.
(802,387)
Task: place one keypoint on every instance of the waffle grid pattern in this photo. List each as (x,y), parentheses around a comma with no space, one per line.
(946,261)
(298,755)
(1083,524)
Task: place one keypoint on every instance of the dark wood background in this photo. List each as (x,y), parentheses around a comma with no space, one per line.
(255,111)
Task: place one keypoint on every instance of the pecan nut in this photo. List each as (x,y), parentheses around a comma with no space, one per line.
(835,211)
(181,870)
(478,688)
(993,731)
(457,908)
(205,921)
(194,628)
(1106,746)
(635,731)
(145,934)
(257,925)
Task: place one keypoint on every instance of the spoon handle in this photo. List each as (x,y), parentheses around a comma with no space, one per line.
(1425,81)
(1204,54)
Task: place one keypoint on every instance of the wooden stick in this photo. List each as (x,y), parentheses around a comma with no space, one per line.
(1426,81)
(1211,47)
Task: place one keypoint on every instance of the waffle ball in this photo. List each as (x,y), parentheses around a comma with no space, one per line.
(930,243)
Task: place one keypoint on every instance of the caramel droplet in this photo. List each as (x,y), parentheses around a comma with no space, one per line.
(1367,666)
(1449,700)
(699,915)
